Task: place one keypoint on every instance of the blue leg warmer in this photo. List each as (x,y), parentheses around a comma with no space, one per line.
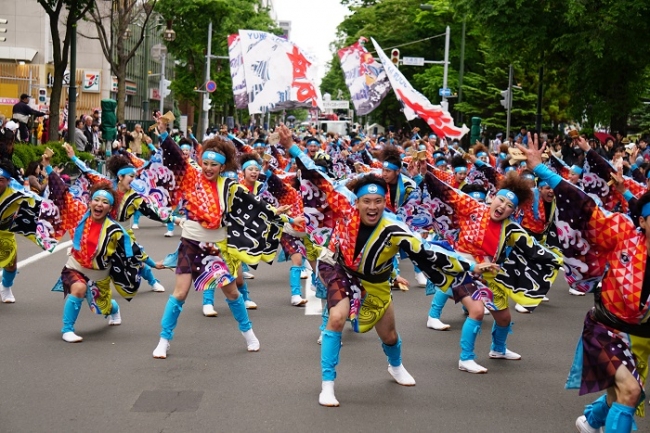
(208,297)
(244,267)
(318,286)
(71,309)
(170,317)
(147,274)
(394,352)
(240,313)
(499,337)
(437,303)
(471,329)
(244,291)
(136,217)
(325,315)
(170,226)
(596,412)
(8,277)
(329,354)
(114,306)
(620,419)
(294,280)
(415,268)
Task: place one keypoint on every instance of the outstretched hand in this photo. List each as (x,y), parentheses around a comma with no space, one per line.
(487,266)
(286,139)
(533,152)
(583,144)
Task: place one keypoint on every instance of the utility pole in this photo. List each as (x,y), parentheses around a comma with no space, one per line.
(161,85)
(510,73)
(444,103)
(206,95)
(540,93)
(461,73)
(72,89)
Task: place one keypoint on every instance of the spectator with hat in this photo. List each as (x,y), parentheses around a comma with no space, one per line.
(22,113)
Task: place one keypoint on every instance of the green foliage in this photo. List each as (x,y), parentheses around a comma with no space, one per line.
(191,20)
(26,153)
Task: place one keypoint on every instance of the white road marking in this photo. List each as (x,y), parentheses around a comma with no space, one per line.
(37,257)
(314,306)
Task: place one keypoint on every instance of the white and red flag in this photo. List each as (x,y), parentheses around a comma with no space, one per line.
(237,72)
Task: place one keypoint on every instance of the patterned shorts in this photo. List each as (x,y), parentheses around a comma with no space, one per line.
(492,300)
(292,245)
(210,268)
(98,295)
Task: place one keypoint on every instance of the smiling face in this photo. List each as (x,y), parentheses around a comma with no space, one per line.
(460,176)
(501,208)
(100,207)
(547,194)
(211,169)
(251,174)
(125,182)
(312,148)
(371,208)
(574,177)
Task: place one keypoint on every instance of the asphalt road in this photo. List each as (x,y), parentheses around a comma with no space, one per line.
(111,383)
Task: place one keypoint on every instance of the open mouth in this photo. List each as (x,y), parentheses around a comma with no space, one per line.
(498,213)
(372,215)
(97,213)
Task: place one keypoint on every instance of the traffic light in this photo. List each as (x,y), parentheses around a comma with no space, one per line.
(394,57)
(42,95)
(3,30)
(164,88)
(506,98)
(207,104)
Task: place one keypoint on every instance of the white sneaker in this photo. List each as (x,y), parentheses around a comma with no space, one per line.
(420,279)
(115,319)
(298,301)
(320,338)
(521,309)
(433,323)
(509,355)
(304,274)
(486,312)
(169,234)
(209,311)
(160,352)
(327,397)
(6,295)
(583,426)
(471,366)
(576,292)
(248,276)
(250,305)
(135,227)
(545,299)
(401,376)
(252,343)
(157,287)
(71,337)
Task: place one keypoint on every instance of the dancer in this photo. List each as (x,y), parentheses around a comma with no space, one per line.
(213,233)
(612,353)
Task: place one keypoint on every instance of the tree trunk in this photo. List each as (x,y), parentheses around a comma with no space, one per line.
(190,118)
(618,123)
(121,91)
(55,103)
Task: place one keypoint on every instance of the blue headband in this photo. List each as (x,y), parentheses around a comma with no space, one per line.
(214,156)
(503,155)
(5,174)
(509,195)
(439,154)
(422,147)
(480,154)
(105,194)
(441,162)
(432,136)
(371,188)
(186,147)
(509,168)
(577,170)
(312,141)
(126,170)
(542,184)
(460,169)
(321,169)
(390,166)
(645,211)
(528,176)
(259,144)
(477,195)
(229,174)
(251,163)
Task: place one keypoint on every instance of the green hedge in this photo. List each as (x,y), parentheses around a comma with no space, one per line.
(26,153)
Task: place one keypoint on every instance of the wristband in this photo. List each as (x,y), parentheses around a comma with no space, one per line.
(472,267)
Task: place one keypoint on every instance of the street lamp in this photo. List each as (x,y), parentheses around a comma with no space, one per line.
(444,104)
(168,35)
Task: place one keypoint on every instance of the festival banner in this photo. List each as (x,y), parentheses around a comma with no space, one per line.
(237,72)
(365,77)
(415,104)
(279,75)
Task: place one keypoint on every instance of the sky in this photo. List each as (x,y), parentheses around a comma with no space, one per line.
(313,25)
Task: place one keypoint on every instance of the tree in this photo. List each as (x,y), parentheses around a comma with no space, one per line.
(112,20)
(191,20)
(593,44)
(76,10)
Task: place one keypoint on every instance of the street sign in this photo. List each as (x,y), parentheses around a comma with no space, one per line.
(336,105)
(210,86)
(445,93)
(413,61)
